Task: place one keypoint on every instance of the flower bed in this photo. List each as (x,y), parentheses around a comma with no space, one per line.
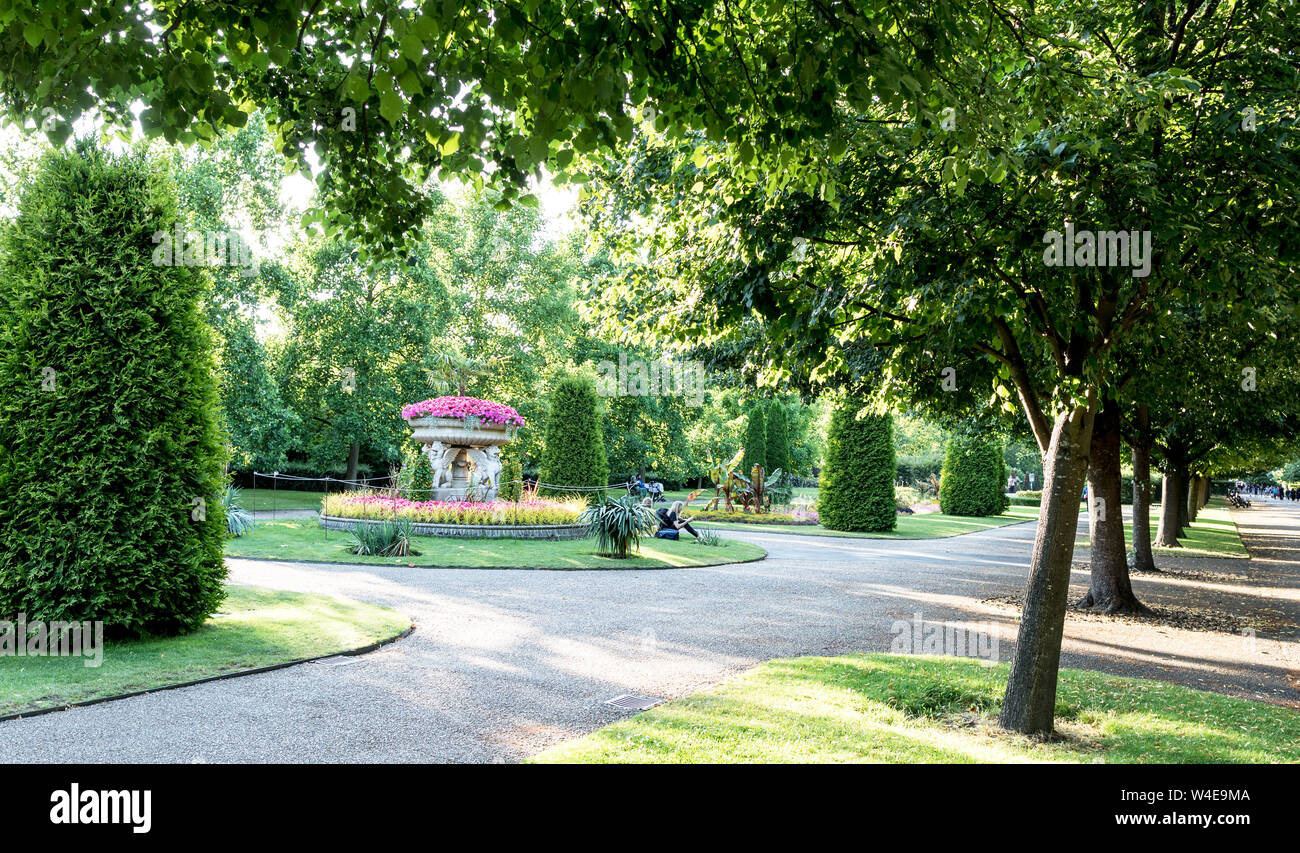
(796,517)
(378,506)
(464,407)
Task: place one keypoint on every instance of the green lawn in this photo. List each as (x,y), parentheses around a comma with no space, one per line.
(1213,534)
(904,709)
(306,540)
(932,525)
(255,627)
(264,500)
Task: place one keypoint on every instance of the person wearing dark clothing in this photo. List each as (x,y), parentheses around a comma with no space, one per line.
(671,519)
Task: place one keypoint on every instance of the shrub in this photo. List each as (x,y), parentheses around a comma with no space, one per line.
(755,439)
(778,438)
(106,354)
(708,537)
(974,476)
(575,447)
(389,539)
(857,484)
(618,525)
(239,521)
(415,477)
(512,480)
(913,468)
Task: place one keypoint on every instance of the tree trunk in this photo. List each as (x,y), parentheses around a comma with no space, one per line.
(1184,489)
(1111,590)
(354,462)
(1030,698)
(1193,497)
(1167,533)
(1143,561)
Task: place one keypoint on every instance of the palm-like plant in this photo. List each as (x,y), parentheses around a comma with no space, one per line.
(238,520)
(725,479)
(618,525)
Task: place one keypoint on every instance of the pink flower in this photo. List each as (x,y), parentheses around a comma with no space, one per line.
(463,407)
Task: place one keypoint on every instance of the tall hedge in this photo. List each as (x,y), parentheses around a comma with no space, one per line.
(974,476)
(857,483)
(575,447)
(778,438)
(110,451)
(755,438)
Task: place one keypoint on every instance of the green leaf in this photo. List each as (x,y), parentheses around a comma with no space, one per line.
(390,106)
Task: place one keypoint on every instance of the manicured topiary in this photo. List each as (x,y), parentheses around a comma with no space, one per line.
(110,451)
(778,439)
(857,482)
(575,445)
(973,481)
(755,438)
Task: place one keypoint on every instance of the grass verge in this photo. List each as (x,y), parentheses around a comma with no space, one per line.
(255,627)
(921,526)
(907,709)
(265,500)
(307,541)
(1212,534)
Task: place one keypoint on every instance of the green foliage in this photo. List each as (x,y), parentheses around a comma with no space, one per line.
(778,438)
(974,476)
(512,475)
(575,446)
(709,538)
(780,488)
(239,521)
(353,350)
(618,525)
(381,539)
(407,93)
(755,437)
(913,468)
(415,478)
(857,484)
(110,451)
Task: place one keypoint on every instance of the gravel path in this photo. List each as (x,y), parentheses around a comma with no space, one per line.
(505,663)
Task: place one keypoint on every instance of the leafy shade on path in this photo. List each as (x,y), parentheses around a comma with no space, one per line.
(1212,534)
(254,627)
(921,526)
(306,541)
(892,708)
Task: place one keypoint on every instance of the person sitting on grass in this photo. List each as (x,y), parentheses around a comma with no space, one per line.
(671,521)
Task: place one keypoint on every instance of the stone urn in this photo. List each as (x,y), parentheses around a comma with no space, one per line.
(464,453)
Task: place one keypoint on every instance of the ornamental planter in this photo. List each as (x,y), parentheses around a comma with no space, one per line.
(463,451)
